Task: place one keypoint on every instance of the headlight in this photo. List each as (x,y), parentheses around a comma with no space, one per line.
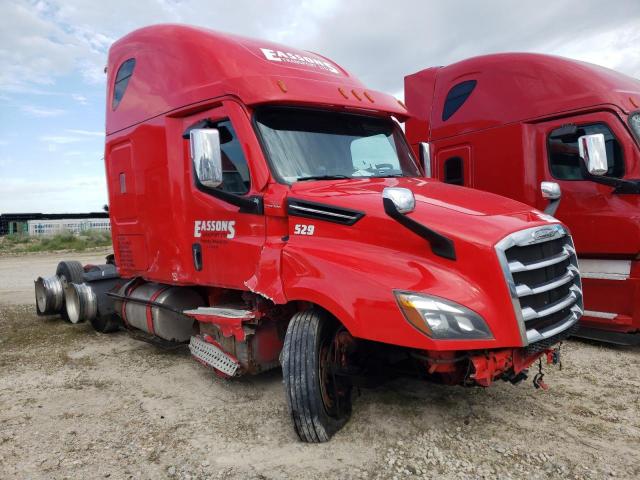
(442,319)
(634,123)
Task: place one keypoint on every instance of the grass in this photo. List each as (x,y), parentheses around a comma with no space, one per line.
(19,243)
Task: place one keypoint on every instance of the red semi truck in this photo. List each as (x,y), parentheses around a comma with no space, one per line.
(516,125)
(267,210)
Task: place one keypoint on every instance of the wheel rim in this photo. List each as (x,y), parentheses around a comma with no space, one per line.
(333,389)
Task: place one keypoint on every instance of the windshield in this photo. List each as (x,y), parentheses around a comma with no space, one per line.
(314,145)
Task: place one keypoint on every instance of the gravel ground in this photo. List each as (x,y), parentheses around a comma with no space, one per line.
(78,404)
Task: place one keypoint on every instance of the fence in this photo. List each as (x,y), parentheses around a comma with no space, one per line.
(52,227)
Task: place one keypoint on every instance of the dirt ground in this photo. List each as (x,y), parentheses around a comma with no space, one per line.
(78,404)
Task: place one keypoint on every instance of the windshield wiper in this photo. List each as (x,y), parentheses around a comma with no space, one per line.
(322,177)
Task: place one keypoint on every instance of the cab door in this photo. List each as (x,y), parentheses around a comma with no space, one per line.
(226,238)
(600,221)
(453,165)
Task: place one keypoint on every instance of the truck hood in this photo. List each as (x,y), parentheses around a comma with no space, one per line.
(374,254)
(457,212)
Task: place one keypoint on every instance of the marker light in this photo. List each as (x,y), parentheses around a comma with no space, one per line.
(442,319)
(634,123)
(402,198)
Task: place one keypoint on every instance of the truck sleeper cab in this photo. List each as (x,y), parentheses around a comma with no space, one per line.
(267,209)
(512,124)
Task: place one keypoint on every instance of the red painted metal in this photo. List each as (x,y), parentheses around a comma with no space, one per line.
(184,75)
(501,131)
(227,326)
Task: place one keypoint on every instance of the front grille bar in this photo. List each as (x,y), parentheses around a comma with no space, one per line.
(517,266)
(524,290)
(529,313)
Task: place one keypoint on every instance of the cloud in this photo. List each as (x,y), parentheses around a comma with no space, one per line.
(419,34)
(88,133)
(81,99)
(42,112)
(60,139)
(77,194)
(43,40)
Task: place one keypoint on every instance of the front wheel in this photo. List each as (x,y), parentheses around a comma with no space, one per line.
(319,400)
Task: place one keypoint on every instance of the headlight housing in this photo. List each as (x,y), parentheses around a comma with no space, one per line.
(442,319)
(634,123)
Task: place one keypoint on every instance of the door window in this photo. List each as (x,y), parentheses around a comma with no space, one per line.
(235,170)
(564,159)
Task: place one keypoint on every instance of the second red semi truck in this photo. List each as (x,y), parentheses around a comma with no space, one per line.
(267,210)
(517,125)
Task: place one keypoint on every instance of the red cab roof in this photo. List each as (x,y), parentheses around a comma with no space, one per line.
(513,87)
(178,65)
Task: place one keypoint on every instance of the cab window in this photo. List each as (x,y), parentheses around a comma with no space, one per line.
(564,159)
(374,153)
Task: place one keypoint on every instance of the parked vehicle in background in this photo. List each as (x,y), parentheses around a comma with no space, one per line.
(266,208)
(559,135)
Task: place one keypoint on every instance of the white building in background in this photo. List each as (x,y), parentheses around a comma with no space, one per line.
(52,227)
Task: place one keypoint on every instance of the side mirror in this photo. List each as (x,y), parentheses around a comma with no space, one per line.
(425,158)
(550,190)
(593,151)
(204,145)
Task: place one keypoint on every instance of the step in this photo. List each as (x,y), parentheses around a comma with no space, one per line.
(223,312)
(213,356)
(228,319)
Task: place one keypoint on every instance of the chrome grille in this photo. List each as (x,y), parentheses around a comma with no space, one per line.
(541,269)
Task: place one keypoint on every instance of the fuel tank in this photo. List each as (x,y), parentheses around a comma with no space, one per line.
(158,308)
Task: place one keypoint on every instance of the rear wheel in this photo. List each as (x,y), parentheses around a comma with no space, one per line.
(318,399)
(106,324)
(69,271)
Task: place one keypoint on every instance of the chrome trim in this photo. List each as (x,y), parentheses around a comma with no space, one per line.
(595,314)
(321,212)
(533,236)
(529,313)
(550,190)
(516,267)
(605,269)
(534,335)
(524,290)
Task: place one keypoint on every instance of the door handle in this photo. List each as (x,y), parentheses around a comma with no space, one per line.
(196,249)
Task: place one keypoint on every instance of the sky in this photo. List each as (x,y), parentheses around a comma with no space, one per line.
(53,53)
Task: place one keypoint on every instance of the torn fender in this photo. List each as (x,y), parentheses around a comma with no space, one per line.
(267,280)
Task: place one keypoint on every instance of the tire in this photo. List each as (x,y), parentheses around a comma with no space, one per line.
(318,408)
(106,324)
(69,271)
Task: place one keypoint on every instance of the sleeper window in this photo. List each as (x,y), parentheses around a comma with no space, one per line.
(456,98)
(454,171)
(122,80)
